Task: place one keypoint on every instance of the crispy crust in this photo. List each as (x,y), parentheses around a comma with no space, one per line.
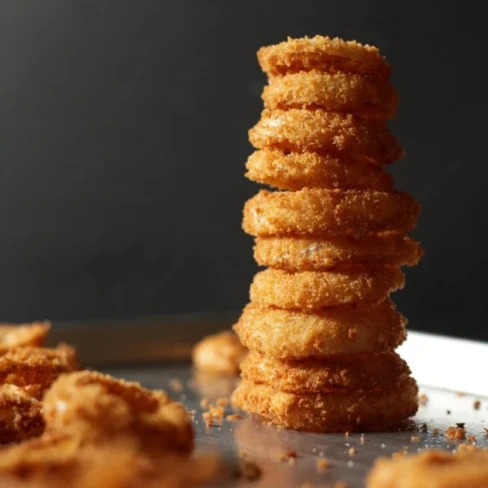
(13,336)
(352,372)
(99,407)
(220,353)
(28,366)
(315,211)
(286,334)
(294,171)
(313,290)
(334,411)
(368,96)
(322,53)
(20,413)
(347,135)
(313,253)
(432,468)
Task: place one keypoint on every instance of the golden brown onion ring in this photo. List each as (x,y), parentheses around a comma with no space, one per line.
(346,135)
(334,411)
(432,469)
(315,211)
(294,171)
(352,372)
(315,253)
(291,334)
(324,54)
(313,290)
(98,408)
(220,353)
(368,96)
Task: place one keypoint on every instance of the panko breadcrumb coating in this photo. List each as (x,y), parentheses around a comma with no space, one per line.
(346,135)
(13,336)
(313,290)
(368,96)
(315,253)
(352,372)
(322,53)
(314,211)
(288,334)
(294,171)
(334,411)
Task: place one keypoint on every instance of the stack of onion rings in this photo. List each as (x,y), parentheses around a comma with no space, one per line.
(320,327)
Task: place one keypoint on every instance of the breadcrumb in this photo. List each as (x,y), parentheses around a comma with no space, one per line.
(456,433)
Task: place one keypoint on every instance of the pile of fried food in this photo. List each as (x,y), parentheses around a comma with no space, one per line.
(64,426)
(320,327)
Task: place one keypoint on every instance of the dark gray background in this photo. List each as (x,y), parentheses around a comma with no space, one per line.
(123,138)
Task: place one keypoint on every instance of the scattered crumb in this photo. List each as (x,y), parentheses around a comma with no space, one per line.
(176,385)
(204,403)
(476,404)
(347,435)
(350,464)
(222,402)
(415,438)
(423,399)
(435,432)
(456,433)
(322,464)
(314,449)
(208,420)
(234,416)
(286,456)
(466,448)
(361,439)
(249,471)
(461,425)
(471,439)
(351,451)
(383,446)
(460,393)
(448,412)
(423,428)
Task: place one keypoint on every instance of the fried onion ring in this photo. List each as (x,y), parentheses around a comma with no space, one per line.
(432,469)
(220,353)
(99,407)
(286,334)
(334,411)
(12,336)
(29,366)
(313,253)
(347,135)
(312,290)
(368,96)
(20,413)
(324,54)
(352,372)
(294,171)
(317,211)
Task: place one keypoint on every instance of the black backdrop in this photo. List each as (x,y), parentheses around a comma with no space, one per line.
(123,137)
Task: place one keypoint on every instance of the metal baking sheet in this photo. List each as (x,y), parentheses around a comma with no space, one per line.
(156,353)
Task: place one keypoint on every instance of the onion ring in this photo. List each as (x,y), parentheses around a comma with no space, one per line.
(220,353)
(294,171)
(334,411)
(312,290)
(13,336)
(347,135)
(432,468)
(322,53)
(98,407)
(352,372)
(33,366)
(368,96)
(316,211)
(286,334)
(312,253)
(20,414)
